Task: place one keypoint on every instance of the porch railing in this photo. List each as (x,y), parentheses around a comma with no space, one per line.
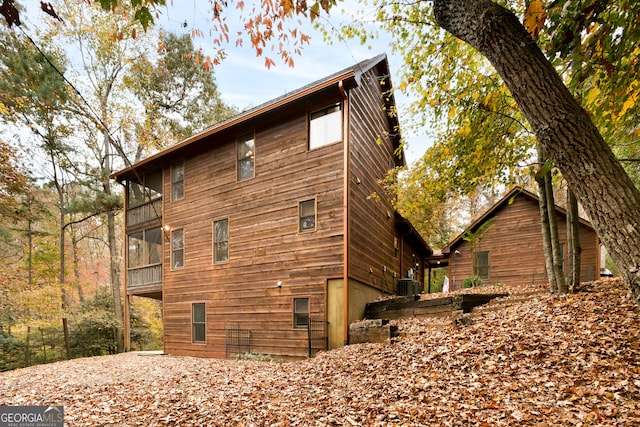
(142,277)
(145,212)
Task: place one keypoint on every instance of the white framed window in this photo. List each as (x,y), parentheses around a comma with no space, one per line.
(245,149)
(307,215)
(198,322)
(221,240)
(325,126)
(177,180)
(177,249)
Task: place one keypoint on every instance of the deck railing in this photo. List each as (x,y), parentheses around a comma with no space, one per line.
(142,277)
(145,212)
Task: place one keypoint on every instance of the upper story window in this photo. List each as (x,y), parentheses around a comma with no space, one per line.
(149,189)
(177,248)
(221,240)
(246,157)
(177,180)
(325,126)
(307,215)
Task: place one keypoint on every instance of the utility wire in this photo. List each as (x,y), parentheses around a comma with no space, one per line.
(112,140)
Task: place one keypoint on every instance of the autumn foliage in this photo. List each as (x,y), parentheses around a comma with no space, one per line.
(529,360)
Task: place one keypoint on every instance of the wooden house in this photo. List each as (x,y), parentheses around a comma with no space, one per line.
(249,230)
(504,245)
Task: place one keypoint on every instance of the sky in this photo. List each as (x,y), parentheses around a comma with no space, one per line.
(244,81)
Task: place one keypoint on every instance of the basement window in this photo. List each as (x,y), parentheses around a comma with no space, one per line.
(198,322)
(300,313)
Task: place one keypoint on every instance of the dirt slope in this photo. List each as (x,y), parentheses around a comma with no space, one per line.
(548,360)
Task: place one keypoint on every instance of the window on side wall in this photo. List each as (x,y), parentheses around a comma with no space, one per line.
(246,157)
(177,180)
(481,265)
(307,215)
(198,322)
(300,313)
(325,126)
(177,249)
(221,241)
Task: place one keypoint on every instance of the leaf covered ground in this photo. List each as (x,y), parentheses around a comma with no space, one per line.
(542,360)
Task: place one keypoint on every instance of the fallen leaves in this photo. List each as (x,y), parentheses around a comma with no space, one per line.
(545,360)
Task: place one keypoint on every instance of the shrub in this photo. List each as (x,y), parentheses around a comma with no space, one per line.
(471,282)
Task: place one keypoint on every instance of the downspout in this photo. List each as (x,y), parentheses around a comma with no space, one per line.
(345,206)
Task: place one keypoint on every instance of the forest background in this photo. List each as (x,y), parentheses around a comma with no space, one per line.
(89,91)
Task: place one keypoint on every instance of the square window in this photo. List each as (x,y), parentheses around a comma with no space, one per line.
(177,180)
(177,249)
(246,157)
(300,312)
(307,215)
(198,322)
(221,240)
(325,126)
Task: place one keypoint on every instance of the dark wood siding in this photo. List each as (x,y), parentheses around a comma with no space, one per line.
(514,241)
(264,243)
(371,215)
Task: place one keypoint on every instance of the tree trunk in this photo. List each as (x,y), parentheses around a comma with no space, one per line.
(556,247)
(114,256)
(573,241)
(544,224)
(76,267)
(561,125)
(65,302)
(115,279)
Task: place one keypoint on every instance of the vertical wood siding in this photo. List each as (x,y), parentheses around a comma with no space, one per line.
(371,219)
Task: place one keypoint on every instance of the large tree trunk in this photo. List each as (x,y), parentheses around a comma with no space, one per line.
(562,126)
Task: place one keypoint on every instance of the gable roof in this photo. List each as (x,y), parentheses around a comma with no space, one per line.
(506,200)
(347,78)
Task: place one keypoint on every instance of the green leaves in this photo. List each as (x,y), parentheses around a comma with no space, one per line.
(143,15)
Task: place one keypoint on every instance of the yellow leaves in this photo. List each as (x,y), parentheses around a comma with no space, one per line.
(592,95)
(452,113)
(631,99)
(534,17)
